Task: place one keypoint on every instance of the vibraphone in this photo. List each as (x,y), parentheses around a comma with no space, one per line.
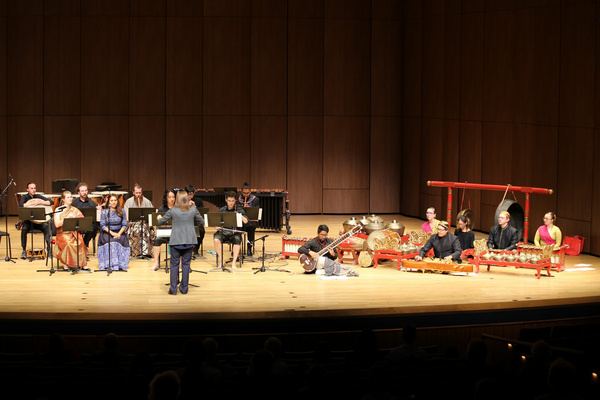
(274,203)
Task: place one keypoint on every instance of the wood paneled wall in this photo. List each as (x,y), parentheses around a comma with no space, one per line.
(503,93)
(351,105)
(303,95)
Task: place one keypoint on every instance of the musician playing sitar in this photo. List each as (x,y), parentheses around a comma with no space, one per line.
(226,235)
(312,247)
(316,245)
(445,245)
(32,199)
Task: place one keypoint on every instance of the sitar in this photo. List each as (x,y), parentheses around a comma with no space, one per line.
(310,264)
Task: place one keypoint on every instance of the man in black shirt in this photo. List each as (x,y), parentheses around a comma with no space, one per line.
(312,247)
(226,235)
(329,266)
(503,236)
(247,199)
(83,201)
(445,245)
(32,199)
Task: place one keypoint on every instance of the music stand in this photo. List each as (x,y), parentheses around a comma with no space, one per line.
(31,214)
(220,219)
(203,211)
(153,221)
(262,268)
(9,256)
(77,225)
(60,185)
(141,214)
(93,214)
(254,214)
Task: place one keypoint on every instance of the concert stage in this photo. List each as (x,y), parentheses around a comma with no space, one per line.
(136,301)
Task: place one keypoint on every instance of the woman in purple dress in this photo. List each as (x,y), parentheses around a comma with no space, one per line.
(113,244)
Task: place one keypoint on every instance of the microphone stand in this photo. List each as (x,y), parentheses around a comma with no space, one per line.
(8,249)
(262,268)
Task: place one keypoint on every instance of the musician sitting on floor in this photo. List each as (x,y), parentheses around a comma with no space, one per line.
(503,236)
(445,245)
(314,246)
(32,199)
(223,235)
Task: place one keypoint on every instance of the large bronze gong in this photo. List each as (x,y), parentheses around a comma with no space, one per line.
(517,216)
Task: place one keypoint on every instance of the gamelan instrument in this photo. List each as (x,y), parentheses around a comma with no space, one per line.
(434,265)
(310,264)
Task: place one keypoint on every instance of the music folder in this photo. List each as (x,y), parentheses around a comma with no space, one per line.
(153,218)
(253,213)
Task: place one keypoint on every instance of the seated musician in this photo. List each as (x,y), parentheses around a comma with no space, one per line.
(548,234)
(32,199)
(503,236)
(196,202)
(247,199)
(168,202)
(465,235)
(139,234)
(223,235)
(69,243)
(331,267)
(445,245)
(431,225)
(83,201)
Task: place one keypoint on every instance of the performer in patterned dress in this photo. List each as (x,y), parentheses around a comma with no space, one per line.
(113,245)
(67,241)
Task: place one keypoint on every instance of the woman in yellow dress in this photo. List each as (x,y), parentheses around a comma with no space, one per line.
(548,234)
(67,241)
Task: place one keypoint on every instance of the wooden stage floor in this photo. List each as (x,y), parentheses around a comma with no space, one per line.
(141,294)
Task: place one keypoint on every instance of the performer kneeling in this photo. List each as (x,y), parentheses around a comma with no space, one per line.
(314,246)
(112,224)
(67,241)
(183,239)
(445,245)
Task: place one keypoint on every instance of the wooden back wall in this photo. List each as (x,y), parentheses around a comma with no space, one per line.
(350,105)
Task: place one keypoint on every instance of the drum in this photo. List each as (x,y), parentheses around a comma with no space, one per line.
(383,236)
(19,195)
(353,243)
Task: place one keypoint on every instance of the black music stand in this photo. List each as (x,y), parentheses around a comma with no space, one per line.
(254,215)
(220,219)
(60,185)
(262,268)
(153,221)
(31,214)
(9,256)
(91,213)
(141,214)
(78,225)
(203,211)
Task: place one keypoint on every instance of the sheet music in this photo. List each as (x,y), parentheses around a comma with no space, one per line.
(163,232)
(98,215)
(206,220)
(260,214)
(238,219)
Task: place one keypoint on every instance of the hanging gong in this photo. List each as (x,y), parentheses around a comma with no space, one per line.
(517,216)
(469,215)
